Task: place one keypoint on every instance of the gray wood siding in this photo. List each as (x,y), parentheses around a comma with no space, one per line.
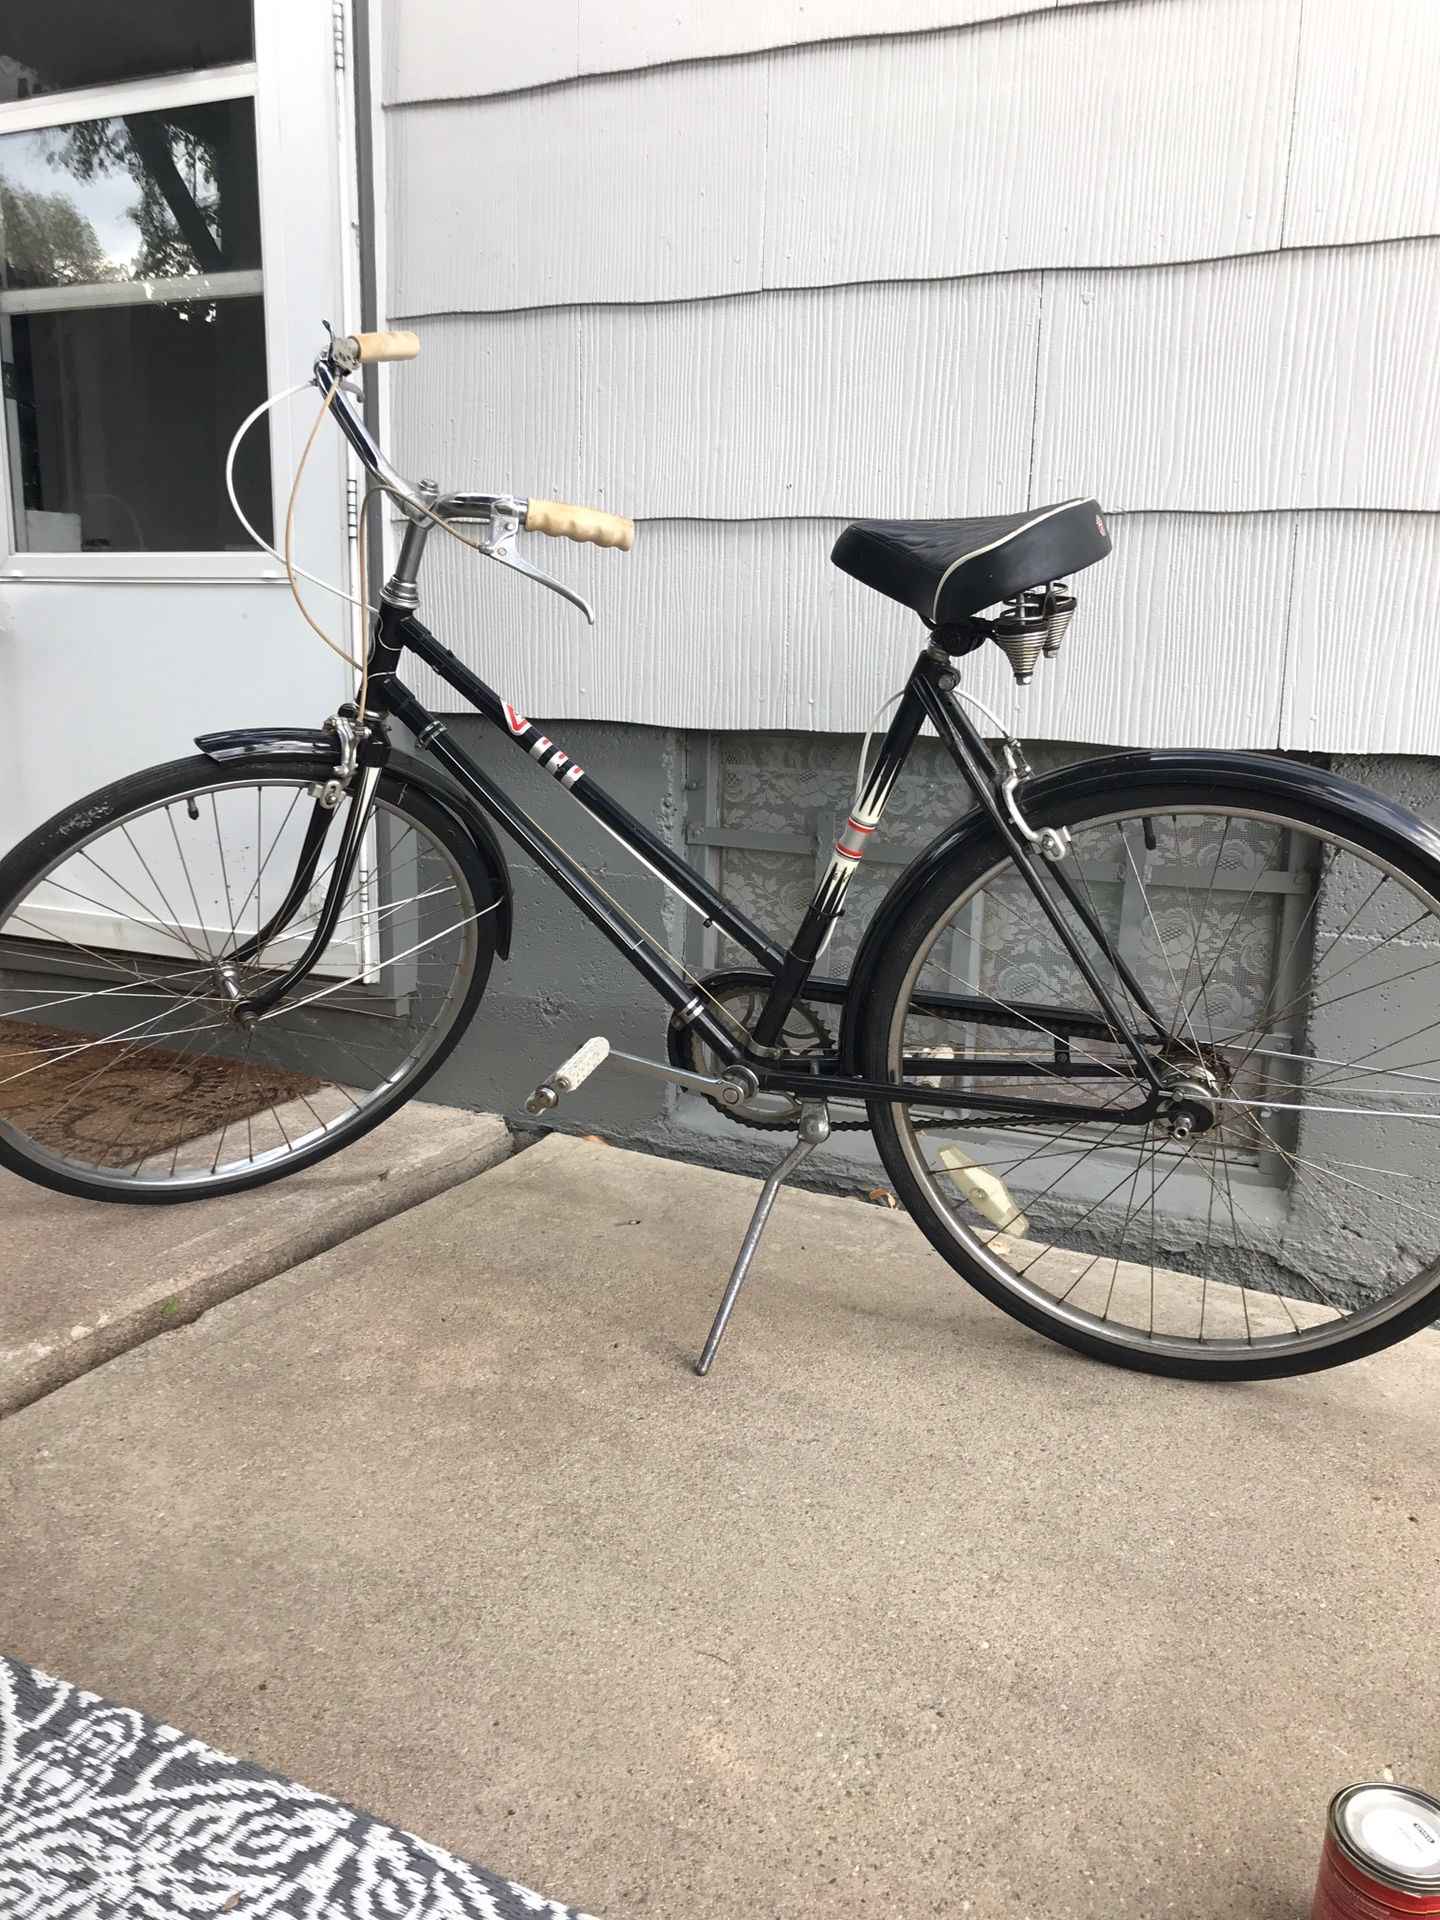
(1304,378)
(1180,253)
(1254,630)
(444,49)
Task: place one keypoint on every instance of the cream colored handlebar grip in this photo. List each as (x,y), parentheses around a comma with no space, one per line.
(370,347)
(579,523)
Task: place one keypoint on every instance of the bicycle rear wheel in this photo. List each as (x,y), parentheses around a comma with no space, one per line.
(133,923)
(1285,1214)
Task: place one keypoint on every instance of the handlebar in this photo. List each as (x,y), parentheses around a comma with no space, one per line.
(351,350)
(559,518)
(503,515)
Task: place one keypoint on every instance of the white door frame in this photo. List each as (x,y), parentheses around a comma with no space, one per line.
(94,685)
(302,284)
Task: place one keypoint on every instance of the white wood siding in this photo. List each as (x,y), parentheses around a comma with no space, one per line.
(749,622)
(1295,379)
(1298,379)
(447,49)
(879,399)
(1365,157)
(978,152)
(1364,673)
(896,158)
(1181,253)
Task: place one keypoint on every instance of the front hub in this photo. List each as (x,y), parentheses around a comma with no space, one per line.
(237,1007)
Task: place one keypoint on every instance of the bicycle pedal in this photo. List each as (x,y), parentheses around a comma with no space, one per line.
(573,1073)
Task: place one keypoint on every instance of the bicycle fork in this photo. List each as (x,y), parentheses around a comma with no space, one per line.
(356,784)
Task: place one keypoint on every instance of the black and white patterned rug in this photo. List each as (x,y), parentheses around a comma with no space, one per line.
(105,1815)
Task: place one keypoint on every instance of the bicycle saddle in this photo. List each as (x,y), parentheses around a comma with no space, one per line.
(946,570)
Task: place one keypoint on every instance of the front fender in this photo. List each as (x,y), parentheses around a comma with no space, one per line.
(250,744)
(1370,814)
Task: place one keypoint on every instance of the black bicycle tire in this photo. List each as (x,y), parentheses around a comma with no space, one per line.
(1151,792)
(31,856)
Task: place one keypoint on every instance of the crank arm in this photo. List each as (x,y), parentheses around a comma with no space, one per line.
(738,1087)
(732,1091)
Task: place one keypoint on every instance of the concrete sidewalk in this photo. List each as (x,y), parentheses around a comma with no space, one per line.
(902,1612)
(82,1281)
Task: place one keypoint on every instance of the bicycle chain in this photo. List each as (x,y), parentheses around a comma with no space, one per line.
(694,1059)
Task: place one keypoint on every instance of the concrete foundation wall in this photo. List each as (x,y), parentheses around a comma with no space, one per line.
(564,982)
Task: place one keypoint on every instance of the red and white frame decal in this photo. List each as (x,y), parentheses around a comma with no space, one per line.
(855,837)
(554,759)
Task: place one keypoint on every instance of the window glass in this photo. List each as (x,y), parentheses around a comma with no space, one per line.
(122,416)
(148,196)
(47,45)
(132,329)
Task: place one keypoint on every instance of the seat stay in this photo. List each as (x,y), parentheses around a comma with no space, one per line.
(974,760)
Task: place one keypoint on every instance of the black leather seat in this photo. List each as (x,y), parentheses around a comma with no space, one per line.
(948,569)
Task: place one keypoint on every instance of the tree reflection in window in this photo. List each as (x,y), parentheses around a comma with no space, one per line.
(196,209)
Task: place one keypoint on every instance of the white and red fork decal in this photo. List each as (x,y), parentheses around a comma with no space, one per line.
(551,757)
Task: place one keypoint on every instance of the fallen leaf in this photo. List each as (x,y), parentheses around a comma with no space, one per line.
(882,1197)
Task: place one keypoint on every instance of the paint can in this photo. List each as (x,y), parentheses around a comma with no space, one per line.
(1381,1854)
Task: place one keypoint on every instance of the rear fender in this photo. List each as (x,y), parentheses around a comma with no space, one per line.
(249,744)
(1185,770)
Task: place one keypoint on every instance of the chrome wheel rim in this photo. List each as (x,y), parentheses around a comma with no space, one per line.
(80,1012)
(1369,934)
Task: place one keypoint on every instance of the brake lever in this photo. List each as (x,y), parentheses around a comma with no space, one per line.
(501,547)
(501,516)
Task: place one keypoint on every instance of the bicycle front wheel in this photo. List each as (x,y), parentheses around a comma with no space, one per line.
(133,925)
(1276,952)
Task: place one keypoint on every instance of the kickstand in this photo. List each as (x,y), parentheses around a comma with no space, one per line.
(814,1128)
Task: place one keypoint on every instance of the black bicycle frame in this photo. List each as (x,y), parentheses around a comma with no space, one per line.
(787,972)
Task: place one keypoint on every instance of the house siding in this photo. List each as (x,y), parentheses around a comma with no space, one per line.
(745,282)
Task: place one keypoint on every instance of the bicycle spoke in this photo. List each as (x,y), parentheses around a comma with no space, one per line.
(144,1077)
(1209,926)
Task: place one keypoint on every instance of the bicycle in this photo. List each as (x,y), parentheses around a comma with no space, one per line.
(221,970)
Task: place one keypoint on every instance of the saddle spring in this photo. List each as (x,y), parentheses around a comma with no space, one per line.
(1033,624)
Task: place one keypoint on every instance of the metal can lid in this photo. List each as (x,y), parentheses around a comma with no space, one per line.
(1392,1832)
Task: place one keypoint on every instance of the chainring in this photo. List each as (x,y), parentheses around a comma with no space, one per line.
(805,1035)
